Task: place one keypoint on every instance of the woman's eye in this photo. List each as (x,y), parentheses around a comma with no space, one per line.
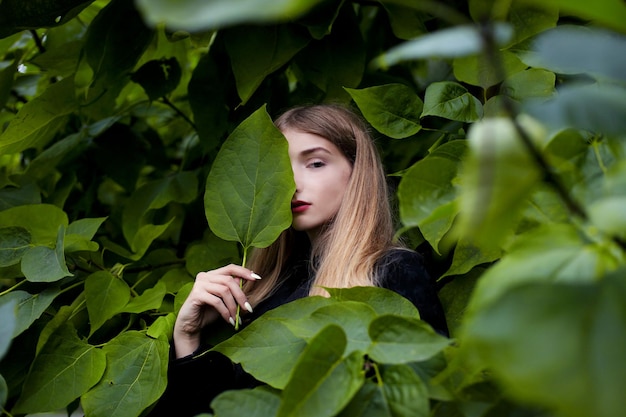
(317,164)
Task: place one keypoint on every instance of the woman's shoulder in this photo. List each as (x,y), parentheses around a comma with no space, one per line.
(404,271)
(400,258)
(400,267)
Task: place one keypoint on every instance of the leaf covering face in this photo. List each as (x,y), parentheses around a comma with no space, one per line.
(249,189)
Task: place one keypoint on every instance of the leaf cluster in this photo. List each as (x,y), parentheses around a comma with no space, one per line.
(130,130)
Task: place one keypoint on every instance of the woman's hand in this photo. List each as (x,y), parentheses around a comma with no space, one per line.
(215,293)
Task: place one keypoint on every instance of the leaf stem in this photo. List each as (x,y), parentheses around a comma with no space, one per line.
(8,290)
(379,378)
(5,411)
(71,287)
(243,263)
(38,42)
(178,111)
(596,152)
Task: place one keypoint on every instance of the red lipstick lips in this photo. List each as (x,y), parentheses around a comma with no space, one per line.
(298,206)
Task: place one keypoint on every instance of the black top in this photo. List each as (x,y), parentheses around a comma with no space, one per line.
(193,382)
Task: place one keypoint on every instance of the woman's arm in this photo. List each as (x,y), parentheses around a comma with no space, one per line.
(215,293)
(196,377)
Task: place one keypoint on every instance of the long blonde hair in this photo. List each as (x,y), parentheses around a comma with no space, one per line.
(347,249)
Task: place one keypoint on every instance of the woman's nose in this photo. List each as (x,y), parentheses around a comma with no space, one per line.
(296,178)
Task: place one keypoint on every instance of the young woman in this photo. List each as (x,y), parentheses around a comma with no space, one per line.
(341,236)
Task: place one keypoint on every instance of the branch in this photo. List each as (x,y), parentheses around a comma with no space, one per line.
(550,177)
(166,101)
(38,41)
(490,49)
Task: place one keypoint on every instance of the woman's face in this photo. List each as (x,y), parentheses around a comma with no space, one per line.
(321,173)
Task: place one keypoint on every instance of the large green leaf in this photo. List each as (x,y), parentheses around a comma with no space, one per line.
(196,15)
(607,211)
(181,188)
(392,109)
(455,296)
(608,13)
(7,76)
(598,108)
(552,252)
(499,174)
(428,192)
(29,306)
(323,380)
(258,402)
(135,377)
(558,346)
(570,49)
(210,253)
(14,242)
(336,61)
(382,300)
(65,369)
(47,161)
(397,340)
(41,220)
(115,40)
(406,22)
(44,264)
(544,206)
(351,316)
(467,256)
(61,318)
(249,189)
(531,83)
(8,311)
(257,51)
(399,393)
(4,391)
(477,70)
(16,15)
(451,100)
(40,119)
(452,42)
(404,392)
(105,296)
(13,197)
(258,345)
(163,327)
(580,161)
(80,232)
(526,20)
(150,299)
(142,205)
(299,309)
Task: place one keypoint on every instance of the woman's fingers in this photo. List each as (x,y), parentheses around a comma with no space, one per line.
(235,271)
(215,293)
(220,289)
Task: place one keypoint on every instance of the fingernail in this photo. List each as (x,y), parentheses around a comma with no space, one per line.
(255,276)
(248,306)
(232,321)
(240,322)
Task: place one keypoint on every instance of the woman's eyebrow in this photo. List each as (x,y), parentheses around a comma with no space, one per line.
(316,149)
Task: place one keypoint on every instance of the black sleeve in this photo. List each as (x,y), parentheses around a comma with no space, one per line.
(403,271)
(194,381)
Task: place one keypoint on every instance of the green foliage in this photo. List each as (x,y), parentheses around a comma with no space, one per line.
(326,347)
(137,149)
(249,189)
